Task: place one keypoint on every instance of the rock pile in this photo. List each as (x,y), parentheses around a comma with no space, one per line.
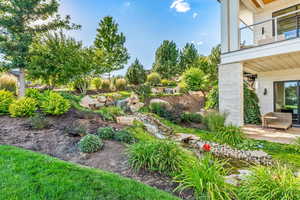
(96,103)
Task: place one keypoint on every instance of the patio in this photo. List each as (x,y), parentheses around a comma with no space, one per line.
(272,135)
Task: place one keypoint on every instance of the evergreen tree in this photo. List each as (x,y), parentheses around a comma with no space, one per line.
(188,57)
(20,22)
(166,59)
(111,54)
(136,74)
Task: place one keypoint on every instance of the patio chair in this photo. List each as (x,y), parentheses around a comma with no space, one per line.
(277,120)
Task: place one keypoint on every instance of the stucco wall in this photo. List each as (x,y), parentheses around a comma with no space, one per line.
(266,80)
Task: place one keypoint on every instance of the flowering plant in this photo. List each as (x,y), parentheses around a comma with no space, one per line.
(206,147)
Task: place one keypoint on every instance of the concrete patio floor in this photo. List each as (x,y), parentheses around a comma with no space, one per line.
(273,135)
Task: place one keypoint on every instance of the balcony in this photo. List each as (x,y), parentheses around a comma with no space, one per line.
(279,28)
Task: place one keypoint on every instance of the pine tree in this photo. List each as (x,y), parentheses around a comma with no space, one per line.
(20,22)
(136,74)
(188,57)
(111,54)
(166,59)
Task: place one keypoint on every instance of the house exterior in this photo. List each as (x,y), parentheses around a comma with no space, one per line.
(260,38)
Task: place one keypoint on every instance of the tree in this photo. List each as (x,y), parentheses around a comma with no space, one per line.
(188,57)
(58,60)
(111,54)
(136,74)
(20,22)
(166,59)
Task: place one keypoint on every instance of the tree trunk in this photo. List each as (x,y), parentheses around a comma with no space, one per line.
(22,83)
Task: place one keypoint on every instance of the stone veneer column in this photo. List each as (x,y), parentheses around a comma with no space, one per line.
(231,92)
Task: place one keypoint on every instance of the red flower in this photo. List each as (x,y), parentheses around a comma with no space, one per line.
(206,147)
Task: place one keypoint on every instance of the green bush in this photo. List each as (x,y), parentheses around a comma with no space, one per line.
(106,133)
(214,121)
(110,113)
(6,98)
(120,84)
(159,109)
(97,82)
(188,117)
(136,74)
(206,178)
(143,91)
(54,104)
(270,183)
(168,83)
(34,93)
(124,136)
(252,113)
(195,79)
(153,79)
(90,143)
(7,83)
(38,121)
(183,87)
(24,107)
(157,156)
(231,135)
(76,129)
(105,85)
(212,101)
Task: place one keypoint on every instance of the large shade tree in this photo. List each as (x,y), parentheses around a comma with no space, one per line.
(58,60)
(110,50)
(166,59)
(20,22)
(136,73)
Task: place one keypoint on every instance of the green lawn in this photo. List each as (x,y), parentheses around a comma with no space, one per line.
(29,175)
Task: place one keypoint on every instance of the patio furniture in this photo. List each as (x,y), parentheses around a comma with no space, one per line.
(277,120)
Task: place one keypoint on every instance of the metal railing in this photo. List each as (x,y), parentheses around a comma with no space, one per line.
(279,28)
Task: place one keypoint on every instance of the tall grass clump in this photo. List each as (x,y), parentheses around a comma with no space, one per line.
(157,156)
(270,183)
(214,121)
(97,82)
(206,178)
(8,83)
(231,135)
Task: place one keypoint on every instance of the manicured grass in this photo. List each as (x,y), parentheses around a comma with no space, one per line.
(29,175)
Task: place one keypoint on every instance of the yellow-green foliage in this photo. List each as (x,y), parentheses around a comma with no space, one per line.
(97,82)
(120,84)
(24,107)
(54,104)
(8,83)
(6,98)
(105,85)
(153,79)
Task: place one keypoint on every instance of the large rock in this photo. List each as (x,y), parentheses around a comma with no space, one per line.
(160,101)
(89,102)
(133,99)
(135,107)
(126,120)
(101,99)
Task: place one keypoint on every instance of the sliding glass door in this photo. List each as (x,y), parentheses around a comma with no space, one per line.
(287,98)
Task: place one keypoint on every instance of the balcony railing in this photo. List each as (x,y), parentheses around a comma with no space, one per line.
(279,28)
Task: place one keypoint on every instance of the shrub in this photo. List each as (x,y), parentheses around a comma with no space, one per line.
(6,98)
(270,183)
(183,88)
(231,135)
(106,133)
(195,79)
(120,84)
(157,156)
(76,129)
(206,178)
(252,113)
(38,121)
(212,101)
(124,136)
(105,85)
(90,143)
(110,113)
(188,117)
(24,107)
(214,121)
(8,83)
(159,109)
(143,91)
(136,74)
(153,79)
(54,104)
(166,82)
(33,93)
(97,82)
(81,85)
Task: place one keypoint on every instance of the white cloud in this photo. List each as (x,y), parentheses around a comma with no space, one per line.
(181,6)
(195,15)
(127,4)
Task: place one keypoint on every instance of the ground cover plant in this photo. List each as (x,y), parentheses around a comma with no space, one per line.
(28,175)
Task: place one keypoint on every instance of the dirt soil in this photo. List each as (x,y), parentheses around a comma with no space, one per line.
(55,141)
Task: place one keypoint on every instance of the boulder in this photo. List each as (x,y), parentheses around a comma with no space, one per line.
(133,99)
(89,102)
(123,103)
(109,101)
(134,107)
(160,101)
(101,99)
(126,120)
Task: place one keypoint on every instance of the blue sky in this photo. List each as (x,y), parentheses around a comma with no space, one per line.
(146,23)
